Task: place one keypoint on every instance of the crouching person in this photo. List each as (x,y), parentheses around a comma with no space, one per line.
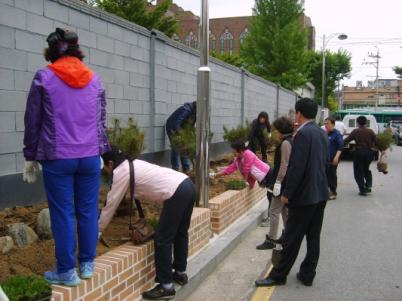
(159,185)
(250,166)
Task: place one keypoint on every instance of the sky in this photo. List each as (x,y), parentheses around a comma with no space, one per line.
(367,23)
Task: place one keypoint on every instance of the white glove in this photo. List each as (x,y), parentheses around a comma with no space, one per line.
(246,144)
(101,162)
(277,189)
(99,235)
(31,169)
(212,175)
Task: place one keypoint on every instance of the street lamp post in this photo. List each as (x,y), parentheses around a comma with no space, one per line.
(203,111)
(325,41)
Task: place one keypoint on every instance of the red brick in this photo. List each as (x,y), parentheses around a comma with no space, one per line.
(126,292)
(93,295)
(65,291)
(118,289)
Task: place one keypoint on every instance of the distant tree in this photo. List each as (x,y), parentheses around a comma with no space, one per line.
(398,71)
(232,59)
(142,13)
(275,48)
(337,67)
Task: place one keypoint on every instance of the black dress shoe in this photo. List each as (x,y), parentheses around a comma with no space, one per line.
(363,193)
(266,245)
(180,278)
(268,282)
(367,190)
(304,281)
(159,293)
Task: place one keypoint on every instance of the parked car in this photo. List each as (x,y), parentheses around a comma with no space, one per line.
(398,135)
(350,122)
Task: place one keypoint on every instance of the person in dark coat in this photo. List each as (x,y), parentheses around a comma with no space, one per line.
(184,114)
(305,193)
(257,134)
(364,155)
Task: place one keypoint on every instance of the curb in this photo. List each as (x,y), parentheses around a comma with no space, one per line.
(204,263)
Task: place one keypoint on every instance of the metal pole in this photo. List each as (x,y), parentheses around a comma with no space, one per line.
(152,84)
(377,66)
(203,111)
(323,79)
(243,92)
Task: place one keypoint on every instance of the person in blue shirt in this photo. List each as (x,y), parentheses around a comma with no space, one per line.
(184,114)
(335,149)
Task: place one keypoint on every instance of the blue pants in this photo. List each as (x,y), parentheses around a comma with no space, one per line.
(72,187)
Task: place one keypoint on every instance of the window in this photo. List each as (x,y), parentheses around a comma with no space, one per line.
(243,35)
(226,46)
(191,40)
(212,42)
(352,123)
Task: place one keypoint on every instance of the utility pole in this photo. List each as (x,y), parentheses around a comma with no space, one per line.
(376,64)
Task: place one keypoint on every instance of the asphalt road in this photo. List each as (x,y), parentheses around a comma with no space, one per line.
(361,249)
(361,246)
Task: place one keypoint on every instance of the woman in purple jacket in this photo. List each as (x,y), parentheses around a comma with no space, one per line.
(65,133)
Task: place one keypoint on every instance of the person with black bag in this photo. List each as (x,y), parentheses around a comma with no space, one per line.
(153,183)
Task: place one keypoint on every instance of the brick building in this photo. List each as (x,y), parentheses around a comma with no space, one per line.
(226,34)
(365,96)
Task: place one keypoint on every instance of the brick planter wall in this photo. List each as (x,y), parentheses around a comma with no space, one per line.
(126,271)
(230,205)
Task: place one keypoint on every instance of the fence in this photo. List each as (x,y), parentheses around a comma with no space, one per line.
(146,76)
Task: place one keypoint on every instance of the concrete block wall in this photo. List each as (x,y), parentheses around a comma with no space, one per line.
(146,75)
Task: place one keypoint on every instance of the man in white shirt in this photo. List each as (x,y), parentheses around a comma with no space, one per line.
(339,125)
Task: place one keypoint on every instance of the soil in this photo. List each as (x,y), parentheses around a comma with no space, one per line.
(39,257)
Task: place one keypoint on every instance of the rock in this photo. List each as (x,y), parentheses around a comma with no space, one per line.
(22,234)
(6,244)
(43,227)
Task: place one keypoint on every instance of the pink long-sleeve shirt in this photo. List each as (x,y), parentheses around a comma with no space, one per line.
(153,183)
(250,166)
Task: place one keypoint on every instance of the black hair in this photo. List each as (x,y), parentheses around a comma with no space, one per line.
(361,120)
(307,107)
(284,125)
(238,146)
(266,116)
(115,155)
(62,42)
(331,119)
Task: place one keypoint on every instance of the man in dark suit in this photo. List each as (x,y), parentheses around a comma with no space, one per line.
(306,194)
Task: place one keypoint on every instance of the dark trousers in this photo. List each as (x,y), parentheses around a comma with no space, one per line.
(172,231)
(263,145)
(332,177)
(361,168)
(302,221)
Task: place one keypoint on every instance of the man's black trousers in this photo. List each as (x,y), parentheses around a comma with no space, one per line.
(361,167)
(302,221)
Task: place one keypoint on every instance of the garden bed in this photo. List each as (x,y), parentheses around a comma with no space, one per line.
(39,257)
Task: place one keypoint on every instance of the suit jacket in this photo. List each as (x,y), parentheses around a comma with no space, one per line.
(306,180)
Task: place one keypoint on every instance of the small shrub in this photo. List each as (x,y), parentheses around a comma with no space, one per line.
(26,288)
(241,132)
(185,141)
(129,139)
(384,140)
(235,185)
